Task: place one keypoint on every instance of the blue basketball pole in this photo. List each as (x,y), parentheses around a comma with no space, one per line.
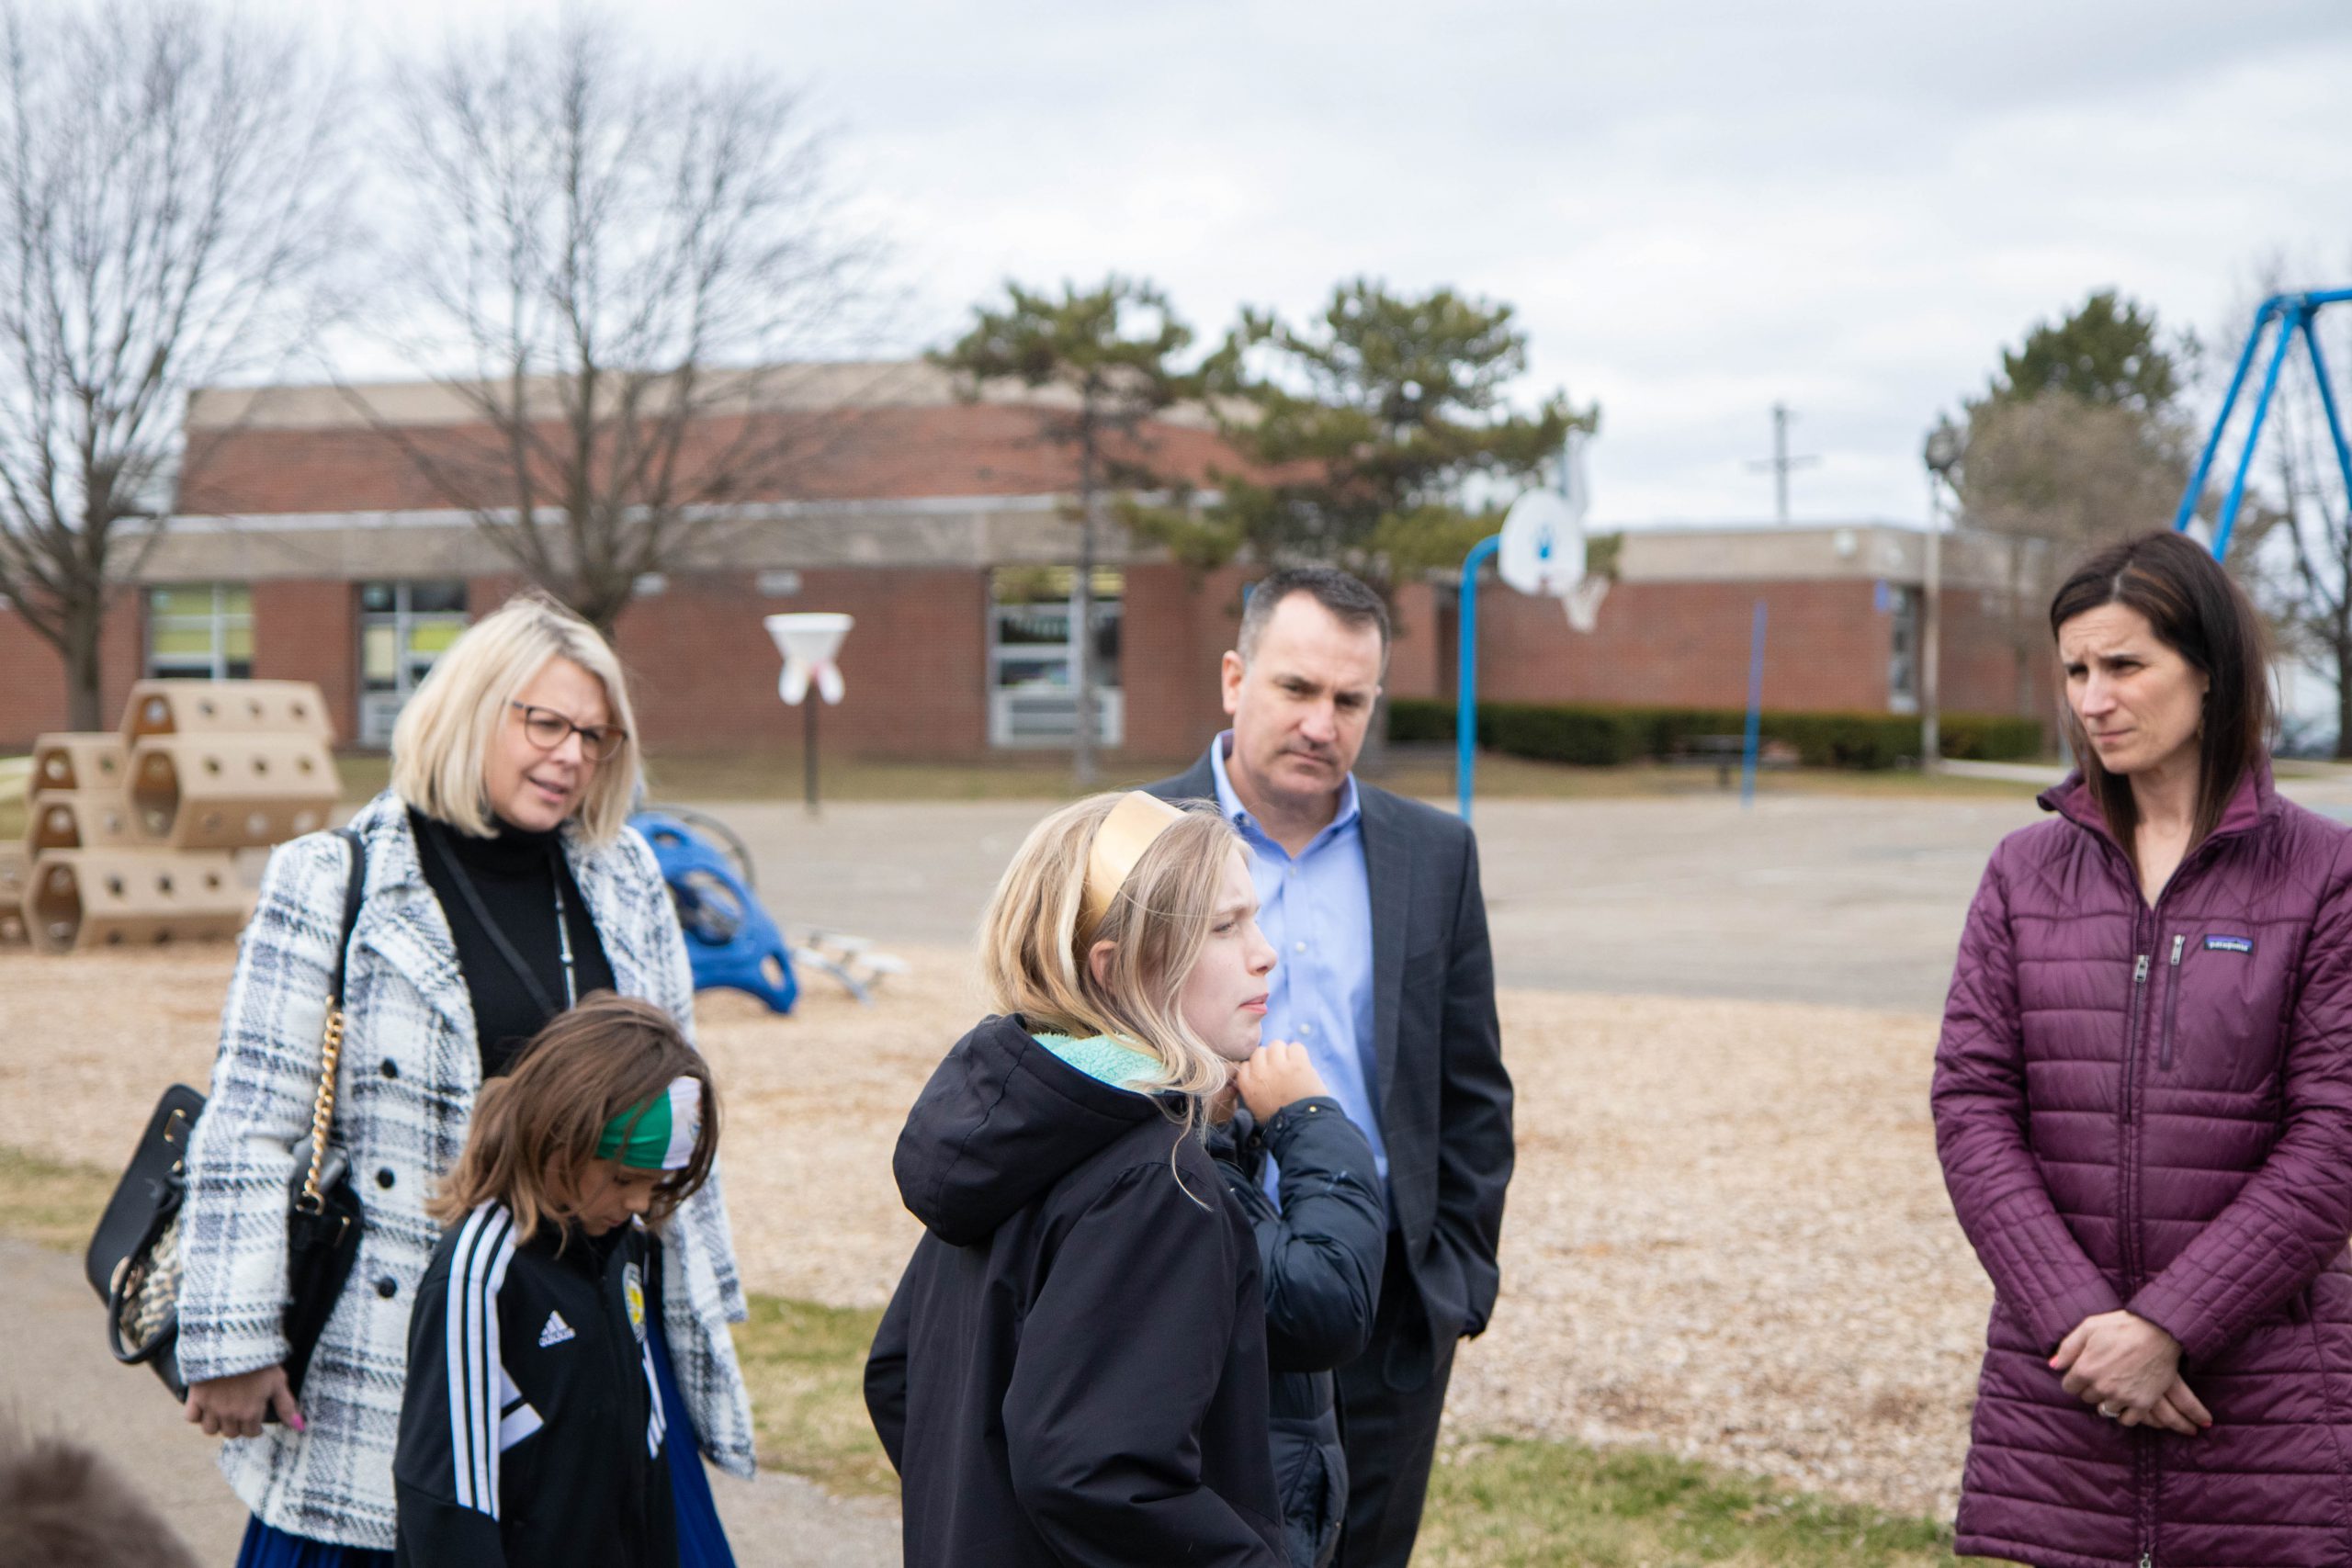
(1755,711)
(1466,700)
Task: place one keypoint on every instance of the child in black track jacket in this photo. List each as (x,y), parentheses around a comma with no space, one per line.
(532,1433)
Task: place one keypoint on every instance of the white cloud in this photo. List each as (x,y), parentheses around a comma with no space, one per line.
(1699,207)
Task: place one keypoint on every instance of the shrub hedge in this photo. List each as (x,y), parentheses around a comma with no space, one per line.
(1594,734)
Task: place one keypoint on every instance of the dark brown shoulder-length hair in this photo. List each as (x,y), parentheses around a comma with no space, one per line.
(2199,610)
(534,1129)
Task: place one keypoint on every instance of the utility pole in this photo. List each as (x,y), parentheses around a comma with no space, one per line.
(1780,462)
(1945,446)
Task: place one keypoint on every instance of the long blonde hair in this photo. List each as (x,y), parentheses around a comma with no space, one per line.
(1035,957)
(442,738)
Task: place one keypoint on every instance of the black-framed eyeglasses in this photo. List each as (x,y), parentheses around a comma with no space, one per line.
(546,730)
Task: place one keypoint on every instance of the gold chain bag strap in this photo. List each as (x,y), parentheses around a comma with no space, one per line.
(134,1262)
(324,1219)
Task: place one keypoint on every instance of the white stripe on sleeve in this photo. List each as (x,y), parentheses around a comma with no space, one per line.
(477,1374)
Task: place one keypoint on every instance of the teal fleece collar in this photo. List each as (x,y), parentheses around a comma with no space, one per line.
(1104,1059)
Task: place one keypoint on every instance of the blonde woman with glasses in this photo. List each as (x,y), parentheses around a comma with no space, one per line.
(1073,1368)
(502,884)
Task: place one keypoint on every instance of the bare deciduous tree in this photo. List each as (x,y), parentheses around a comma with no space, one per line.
(2056,477)
(611,259)
(167,204)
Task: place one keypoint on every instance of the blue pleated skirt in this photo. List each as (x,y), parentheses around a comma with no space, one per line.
(702,1540)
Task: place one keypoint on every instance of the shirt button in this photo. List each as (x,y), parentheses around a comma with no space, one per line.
(384,1177)
(390,1069)
(1300,947)
(387,1286)
(1306,1029)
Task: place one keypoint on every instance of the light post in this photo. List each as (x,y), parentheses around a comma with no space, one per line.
(1943,454)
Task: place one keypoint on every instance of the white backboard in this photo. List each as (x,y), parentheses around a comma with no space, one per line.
(808,641)
(1542,546)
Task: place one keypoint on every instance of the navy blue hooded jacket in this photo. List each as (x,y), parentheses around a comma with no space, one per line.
(1320,1255)
(1073,1367)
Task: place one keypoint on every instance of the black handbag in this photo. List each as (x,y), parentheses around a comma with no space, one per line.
(133,1261)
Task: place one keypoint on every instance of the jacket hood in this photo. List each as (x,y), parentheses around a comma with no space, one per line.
(1001,1119)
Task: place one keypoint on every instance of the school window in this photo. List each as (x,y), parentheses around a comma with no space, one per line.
(1032,620)
(200,631)
(403,627)
(1903,660)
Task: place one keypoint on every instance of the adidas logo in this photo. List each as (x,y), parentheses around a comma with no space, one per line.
(556,1332)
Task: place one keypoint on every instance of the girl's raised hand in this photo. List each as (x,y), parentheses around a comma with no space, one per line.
(1276,1074)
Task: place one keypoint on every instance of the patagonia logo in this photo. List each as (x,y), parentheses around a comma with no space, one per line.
(2229,944)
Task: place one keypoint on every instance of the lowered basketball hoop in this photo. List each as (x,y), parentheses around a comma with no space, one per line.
(808,642)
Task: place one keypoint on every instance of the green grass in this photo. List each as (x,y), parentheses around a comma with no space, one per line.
(49,1201)
(1507,1503)
(1493,1504)
(806,1366)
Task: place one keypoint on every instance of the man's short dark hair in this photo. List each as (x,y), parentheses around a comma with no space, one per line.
(1349,600)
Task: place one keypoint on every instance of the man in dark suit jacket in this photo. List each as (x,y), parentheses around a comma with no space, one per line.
(1373,902)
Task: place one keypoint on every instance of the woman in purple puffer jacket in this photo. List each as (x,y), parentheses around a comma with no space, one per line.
(2143,1105)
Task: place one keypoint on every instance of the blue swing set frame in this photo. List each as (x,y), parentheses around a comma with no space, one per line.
(2293,314)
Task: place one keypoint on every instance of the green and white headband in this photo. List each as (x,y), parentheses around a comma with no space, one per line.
(664,1132)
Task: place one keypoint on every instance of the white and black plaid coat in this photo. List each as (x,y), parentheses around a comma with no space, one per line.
(409,1069)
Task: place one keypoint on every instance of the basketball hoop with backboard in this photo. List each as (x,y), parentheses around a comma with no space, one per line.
(1542,553)
(808,642)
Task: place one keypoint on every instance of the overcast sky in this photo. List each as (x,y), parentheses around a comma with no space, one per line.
(1699,208)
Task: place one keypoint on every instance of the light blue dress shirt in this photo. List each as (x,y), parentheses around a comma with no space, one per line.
(1316,912)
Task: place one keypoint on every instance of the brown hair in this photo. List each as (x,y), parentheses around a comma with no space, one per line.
(536,1129)
(1035,957)
(62,1502)
(2199,610)
(1349,600)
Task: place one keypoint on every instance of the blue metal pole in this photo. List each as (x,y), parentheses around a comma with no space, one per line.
(2220,422)
(2327,401)
(1755,711)
(1466,700)
(2296,315)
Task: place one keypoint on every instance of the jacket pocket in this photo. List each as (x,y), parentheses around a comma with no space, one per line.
(1315,1504)
(2172,1005)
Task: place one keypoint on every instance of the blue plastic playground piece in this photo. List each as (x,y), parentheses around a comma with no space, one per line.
(2292,313)
(731,941)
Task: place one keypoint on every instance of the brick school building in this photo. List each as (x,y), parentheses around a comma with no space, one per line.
(322,534)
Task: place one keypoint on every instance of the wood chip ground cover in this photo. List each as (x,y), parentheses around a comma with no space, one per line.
(1727,1236)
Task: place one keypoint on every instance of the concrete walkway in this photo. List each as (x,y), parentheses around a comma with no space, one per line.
(57,1376)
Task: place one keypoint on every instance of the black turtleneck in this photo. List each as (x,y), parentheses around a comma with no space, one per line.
(513,872)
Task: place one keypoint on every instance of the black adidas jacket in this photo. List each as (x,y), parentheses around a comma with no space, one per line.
(1073,1368)
(531,1436)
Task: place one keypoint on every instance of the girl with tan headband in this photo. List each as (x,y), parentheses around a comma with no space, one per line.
(1073,1367)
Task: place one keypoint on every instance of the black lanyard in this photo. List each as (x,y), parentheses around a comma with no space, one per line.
(466,889)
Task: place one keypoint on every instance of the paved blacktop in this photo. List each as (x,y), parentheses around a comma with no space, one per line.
(1854,901)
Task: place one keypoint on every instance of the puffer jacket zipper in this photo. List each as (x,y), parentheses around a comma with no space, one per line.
(2172,1003)
(2127,1226)
(2127,1230)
